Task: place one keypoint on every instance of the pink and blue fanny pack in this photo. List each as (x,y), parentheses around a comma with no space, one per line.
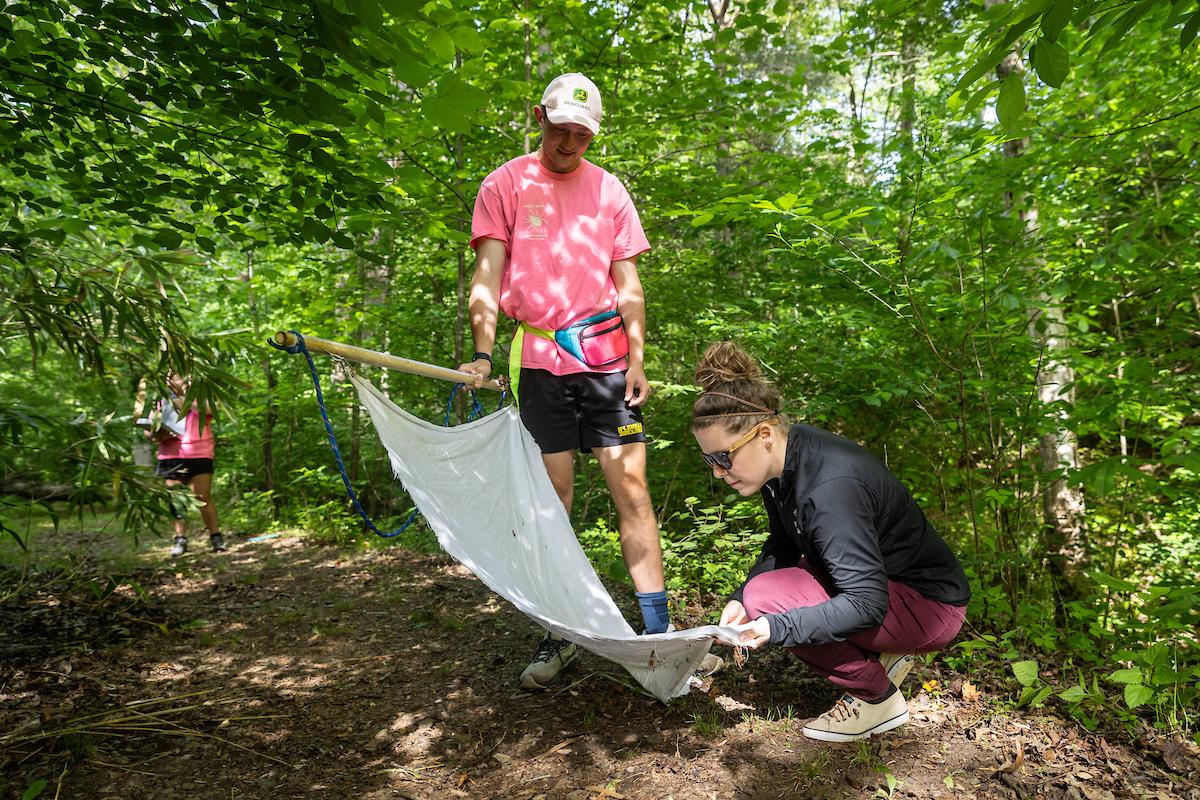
(599,341)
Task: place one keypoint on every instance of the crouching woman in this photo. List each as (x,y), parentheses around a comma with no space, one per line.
(852,579)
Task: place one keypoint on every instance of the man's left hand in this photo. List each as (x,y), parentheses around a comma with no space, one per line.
(637,388)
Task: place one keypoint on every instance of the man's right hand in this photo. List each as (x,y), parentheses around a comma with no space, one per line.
(480,367)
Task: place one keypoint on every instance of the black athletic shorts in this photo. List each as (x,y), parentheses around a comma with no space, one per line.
(183,469)
(579,411)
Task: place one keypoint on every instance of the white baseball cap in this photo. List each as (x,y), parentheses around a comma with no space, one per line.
(572,98)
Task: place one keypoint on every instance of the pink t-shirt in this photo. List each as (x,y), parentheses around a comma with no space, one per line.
(197,444)
(561,231)
(168,447)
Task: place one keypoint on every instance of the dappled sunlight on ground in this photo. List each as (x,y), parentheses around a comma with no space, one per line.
(291,670)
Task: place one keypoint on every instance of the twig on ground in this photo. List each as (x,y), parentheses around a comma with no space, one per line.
(130,718)
(558,746)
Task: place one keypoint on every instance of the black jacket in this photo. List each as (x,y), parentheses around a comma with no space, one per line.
(856,526)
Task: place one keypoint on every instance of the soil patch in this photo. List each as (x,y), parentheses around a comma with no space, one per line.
(287,670)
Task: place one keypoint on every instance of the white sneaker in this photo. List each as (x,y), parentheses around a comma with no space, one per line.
(552,657)
(897,666)
(852,719)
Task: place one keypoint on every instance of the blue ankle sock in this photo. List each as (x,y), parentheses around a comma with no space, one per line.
(654,611)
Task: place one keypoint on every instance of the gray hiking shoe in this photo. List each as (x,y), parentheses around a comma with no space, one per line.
(218,542)
(552,657)
(180,546)
(897,666)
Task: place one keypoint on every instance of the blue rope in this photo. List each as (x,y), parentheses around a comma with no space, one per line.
(476,411)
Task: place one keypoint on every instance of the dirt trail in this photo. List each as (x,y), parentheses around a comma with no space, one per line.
(295,671)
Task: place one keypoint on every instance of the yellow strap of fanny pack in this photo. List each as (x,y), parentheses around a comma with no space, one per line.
(514,355)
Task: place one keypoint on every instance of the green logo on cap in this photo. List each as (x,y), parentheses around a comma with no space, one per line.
(579,95)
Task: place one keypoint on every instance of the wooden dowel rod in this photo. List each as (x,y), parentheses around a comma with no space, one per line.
(377,359)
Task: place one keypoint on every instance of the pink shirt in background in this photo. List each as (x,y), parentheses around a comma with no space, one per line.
(561,233)
(196,443)
(168,447)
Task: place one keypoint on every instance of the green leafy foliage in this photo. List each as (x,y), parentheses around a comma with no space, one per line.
(1005,26)
(824,185)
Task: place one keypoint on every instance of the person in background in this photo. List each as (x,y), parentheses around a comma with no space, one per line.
(186,453)
(853,578)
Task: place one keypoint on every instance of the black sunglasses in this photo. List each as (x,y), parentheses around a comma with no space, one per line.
(724,458)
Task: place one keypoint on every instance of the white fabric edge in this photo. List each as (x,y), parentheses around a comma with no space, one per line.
(637,653)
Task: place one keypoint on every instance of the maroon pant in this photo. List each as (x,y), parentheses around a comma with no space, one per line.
(913,624)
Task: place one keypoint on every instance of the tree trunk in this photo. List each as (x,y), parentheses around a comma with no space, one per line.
(908,118)
(722,18)
(374,286)
(267,445)
(463,287)
(35,489)
(527,131)
(1063,510)
(360,337)
(143,453)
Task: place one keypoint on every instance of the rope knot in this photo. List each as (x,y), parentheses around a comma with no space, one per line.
(298,347)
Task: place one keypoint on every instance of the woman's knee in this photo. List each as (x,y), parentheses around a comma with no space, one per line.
(780,590)
(951,622)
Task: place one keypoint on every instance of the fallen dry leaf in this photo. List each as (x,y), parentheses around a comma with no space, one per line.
(969,693)
(557,748)
(1179,755)
(1018,759)
(729,704)
(1093,792)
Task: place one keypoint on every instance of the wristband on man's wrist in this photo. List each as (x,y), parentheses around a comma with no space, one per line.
(480,355)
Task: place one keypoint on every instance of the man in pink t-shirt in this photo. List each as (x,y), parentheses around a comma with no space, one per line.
(557,240)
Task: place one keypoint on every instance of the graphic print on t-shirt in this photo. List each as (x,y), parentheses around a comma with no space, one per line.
(535,221)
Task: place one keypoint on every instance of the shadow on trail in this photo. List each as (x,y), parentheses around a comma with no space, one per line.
(393,674)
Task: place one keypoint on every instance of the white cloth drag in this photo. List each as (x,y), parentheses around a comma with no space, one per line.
(484,491)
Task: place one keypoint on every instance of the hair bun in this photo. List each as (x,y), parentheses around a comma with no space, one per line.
(725,362)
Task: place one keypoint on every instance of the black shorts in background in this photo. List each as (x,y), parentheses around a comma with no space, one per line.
(579,411)
(183,469)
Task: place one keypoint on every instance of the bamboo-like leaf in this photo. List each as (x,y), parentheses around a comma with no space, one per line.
(1123,23)
(1188,34)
